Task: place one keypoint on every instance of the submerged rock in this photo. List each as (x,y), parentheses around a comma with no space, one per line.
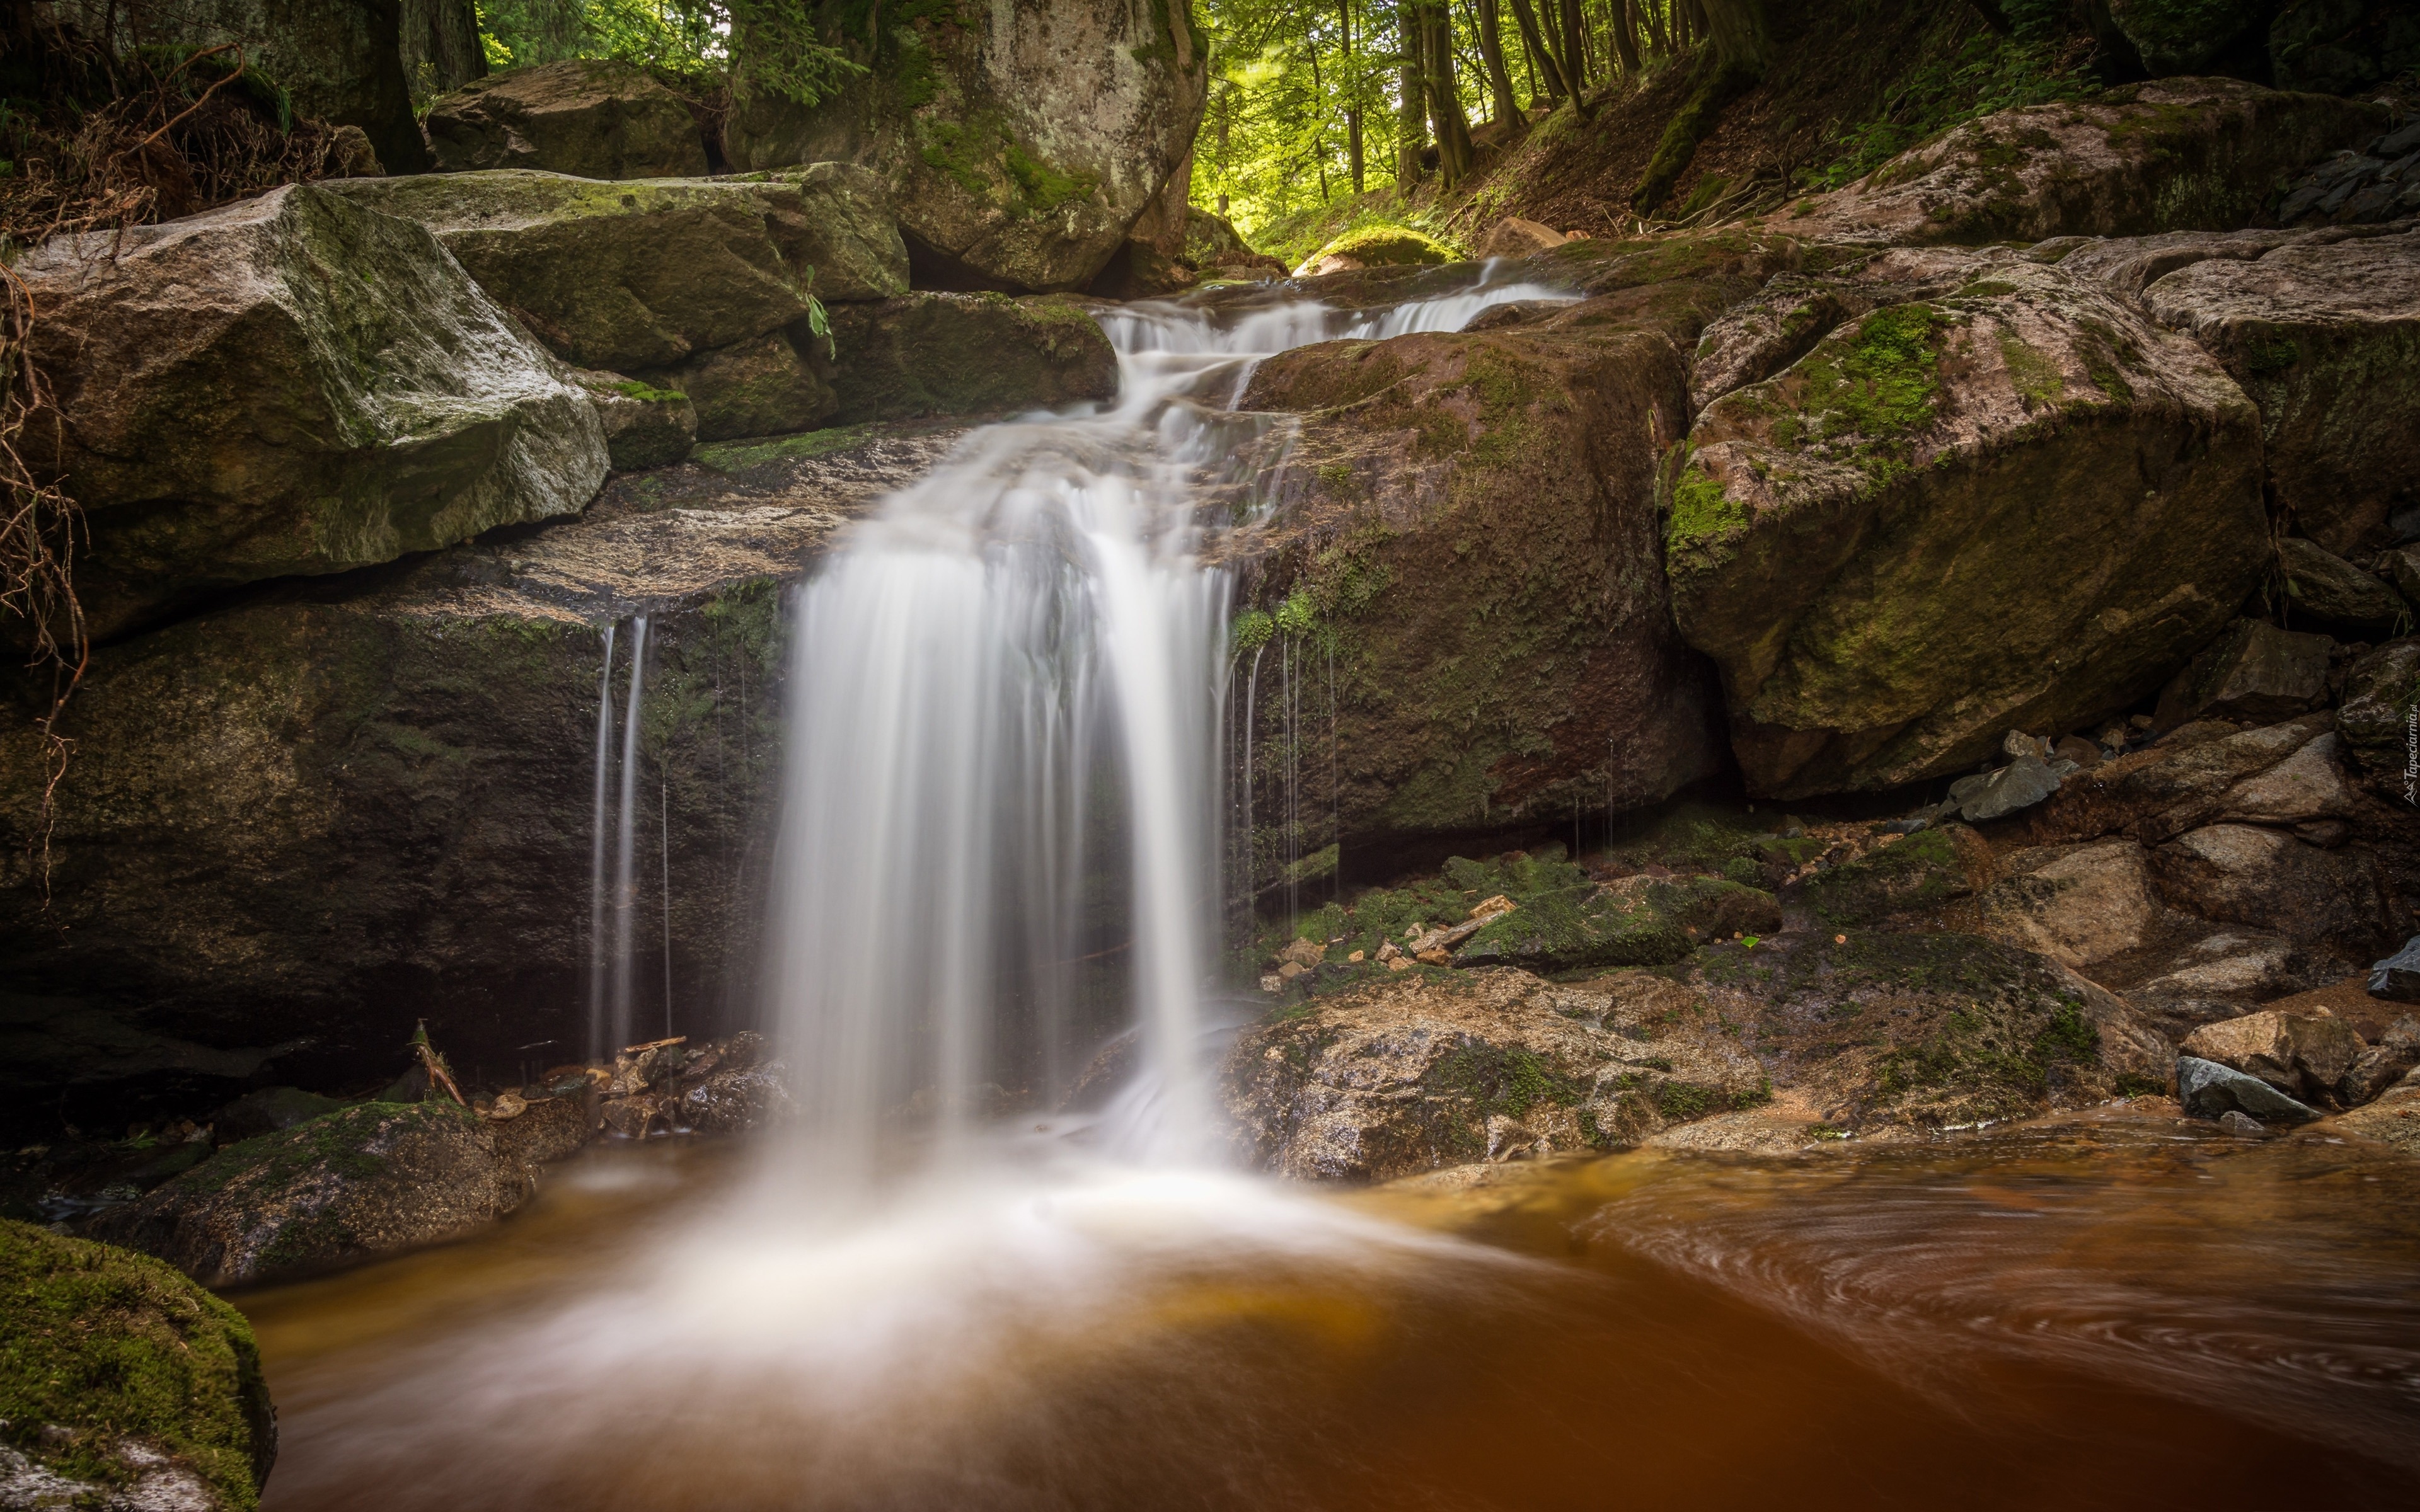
(2006,501)
(228,412)
(370,1178)
(594,117)
(1020,143)
(128,1385)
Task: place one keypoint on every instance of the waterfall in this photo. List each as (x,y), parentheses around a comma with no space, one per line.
(613,903)
(1002,766)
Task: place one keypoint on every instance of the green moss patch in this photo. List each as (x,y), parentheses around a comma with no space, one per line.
(1924,870)
(115,1346)
(1383,245)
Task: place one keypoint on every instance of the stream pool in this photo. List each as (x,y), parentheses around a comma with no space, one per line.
(2109,1311)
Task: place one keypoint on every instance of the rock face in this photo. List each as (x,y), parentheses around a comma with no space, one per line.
(950,354)
(230,413)
(373,1178)
(1020,143)
(1469,520)
(124,1385)
(406,766)
(2001,500)
(704,286)
(593,117)
(2253,874)
(2172,155)
(2323,333)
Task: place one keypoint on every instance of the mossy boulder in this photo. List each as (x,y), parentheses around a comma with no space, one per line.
(630,276)
(645,426)
(1377,246)
(1461,527)
(1020,143)
(370,1178)
(594,117)
(1635,922)
(123,1384)
(301,823)
(1431,1069)
(287,386)
(2170,155)
(764,386)
(2322,332)
(1915,875)
(2007,503)
(1927,1030)
(955,354)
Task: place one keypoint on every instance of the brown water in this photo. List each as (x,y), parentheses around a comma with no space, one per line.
(2100,1313)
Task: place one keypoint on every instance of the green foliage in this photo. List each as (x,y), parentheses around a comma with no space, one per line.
(1990,73)
(1701,510)
(773,46)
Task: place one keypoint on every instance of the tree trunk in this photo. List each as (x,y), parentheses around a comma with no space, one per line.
(1445,101)
(1576,53)
(1625,36)
(1499,83)
(1411,133)
(1353,81)
(1542,58)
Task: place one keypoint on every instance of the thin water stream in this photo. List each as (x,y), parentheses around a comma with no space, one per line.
(1003,775)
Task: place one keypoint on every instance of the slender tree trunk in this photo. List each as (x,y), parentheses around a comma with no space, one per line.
(1490,48)
(1353,81)
(1411,132)
(1445,101)
(1625,36)
(1540,56)
(1576,53)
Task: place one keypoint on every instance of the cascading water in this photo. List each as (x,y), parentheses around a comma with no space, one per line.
(1004,746)
(614,897)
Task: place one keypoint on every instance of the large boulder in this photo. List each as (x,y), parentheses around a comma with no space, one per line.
(2305,1057)
(289,385)
(2254,672)
(633,276)
(1466,522)
(2266,878)
(2171,155)
(2003,502)
(373,1178)
(2381,696)
(124,1384)
(2323,332)
(1021,141)
(298,823)
(594,117)
(2322,586)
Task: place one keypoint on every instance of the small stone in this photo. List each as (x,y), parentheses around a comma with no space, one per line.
(2209,1089)
(2021,784)
(2396,979)
(1513,237)
(1389,951)
(507,1105)
(1291,970)
(2083,752)
(1356,957)
(2018,744)
(1272,983)
(1400,963)
(2240,1124)
(1489,908)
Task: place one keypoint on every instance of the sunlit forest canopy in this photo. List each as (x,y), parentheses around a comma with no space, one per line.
(783,48)
(1324,113)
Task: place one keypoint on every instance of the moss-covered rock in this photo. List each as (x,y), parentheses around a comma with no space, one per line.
(1020,143)
(1636,922)
(289,385)
(1912,876)
(2007,503)
(124,1383)
(2171,155)
(1378,246)
(596,117)
(372,1178)
(323,813)
(764,386)
(1421,1070)
(626,276)
(1463,528)
(955,354)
